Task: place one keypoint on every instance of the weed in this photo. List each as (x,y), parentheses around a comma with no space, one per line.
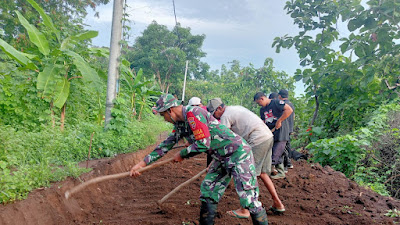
(346,209)
(393,213)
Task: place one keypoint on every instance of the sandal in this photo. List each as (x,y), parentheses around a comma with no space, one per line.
(233,213)
(276,210)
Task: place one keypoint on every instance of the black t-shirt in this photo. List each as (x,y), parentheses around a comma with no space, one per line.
(270,114)
(291,117)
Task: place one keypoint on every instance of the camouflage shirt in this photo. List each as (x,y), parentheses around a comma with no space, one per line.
(204,133)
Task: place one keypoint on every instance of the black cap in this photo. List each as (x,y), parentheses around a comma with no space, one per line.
(284,93)
(273,95)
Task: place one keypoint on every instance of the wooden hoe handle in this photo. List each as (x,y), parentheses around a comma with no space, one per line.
(160,202)
(81,186)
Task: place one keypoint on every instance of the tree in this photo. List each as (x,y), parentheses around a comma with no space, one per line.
(162,54)
(350,85)
(237,85)
(344,83)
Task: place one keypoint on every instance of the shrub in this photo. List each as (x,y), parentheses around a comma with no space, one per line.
(369,155)
(29,160)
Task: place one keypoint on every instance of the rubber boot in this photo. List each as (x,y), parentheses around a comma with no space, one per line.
(259,218)
(281,172)
(208,210)
(286,160)
(287,155)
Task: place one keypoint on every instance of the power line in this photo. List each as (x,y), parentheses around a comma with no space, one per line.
(176,22)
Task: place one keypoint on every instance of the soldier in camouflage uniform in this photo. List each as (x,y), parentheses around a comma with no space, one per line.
(232,157)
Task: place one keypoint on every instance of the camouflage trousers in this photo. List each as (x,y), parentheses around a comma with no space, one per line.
(239,167)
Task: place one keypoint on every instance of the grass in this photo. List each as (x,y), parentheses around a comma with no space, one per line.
(30,160)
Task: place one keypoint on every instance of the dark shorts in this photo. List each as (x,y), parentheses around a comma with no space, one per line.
(277,152)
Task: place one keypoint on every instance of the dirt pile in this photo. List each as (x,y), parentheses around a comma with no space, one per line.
(311,194)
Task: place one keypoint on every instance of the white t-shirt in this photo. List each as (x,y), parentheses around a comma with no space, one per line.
(246,124)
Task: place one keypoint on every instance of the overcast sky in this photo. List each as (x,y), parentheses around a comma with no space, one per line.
(235,29)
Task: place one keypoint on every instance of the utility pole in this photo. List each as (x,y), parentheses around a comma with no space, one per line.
(184,82)
(115,52)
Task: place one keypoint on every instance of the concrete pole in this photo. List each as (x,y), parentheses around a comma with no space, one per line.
(184,82)
(115,52)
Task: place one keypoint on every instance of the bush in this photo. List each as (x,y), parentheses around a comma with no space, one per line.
(369,155)
(30,160)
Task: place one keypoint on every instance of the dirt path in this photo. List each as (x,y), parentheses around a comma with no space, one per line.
(311,194)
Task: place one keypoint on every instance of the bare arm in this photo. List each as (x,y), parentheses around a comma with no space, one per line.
(287,110)
(136,167)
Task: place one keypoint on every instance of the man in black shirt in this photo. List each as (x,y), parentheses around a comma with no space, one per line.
(284,95)
(274,113)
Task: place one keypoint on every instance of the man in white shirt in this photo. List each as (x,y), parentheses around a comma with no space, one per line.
(196,101)
(249,126)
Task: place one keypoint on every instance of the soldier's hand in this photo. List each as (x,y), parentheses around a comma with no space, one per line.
(134,170)
(178,157)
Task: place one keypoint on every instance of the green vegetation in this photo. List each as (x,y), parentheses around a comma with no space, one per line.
(351,98)
(393,213)
(366,154)
(244,82)
(162,53)
(32,159)
(51,101)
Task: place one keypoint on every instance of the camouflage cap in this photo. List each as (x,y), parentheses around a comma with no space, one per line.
(165,102)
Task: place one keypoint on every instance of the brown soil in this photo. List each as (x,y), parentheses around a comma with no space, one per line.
(312,195)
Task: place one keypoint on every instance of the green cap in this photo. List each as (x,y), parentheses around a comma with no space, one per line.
(165,102)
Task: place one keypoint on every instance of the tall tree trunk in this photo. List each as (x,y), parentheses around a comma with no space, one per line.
(166,83)
(158,78)
(315,111)
(62,117)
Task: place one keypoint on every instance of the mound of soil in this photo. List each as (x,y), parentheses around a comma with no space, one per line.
(312,195)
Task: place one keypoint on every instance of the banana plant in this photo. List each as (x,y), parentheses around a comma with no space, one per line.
(57,61)
(139,93)
(147,98)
